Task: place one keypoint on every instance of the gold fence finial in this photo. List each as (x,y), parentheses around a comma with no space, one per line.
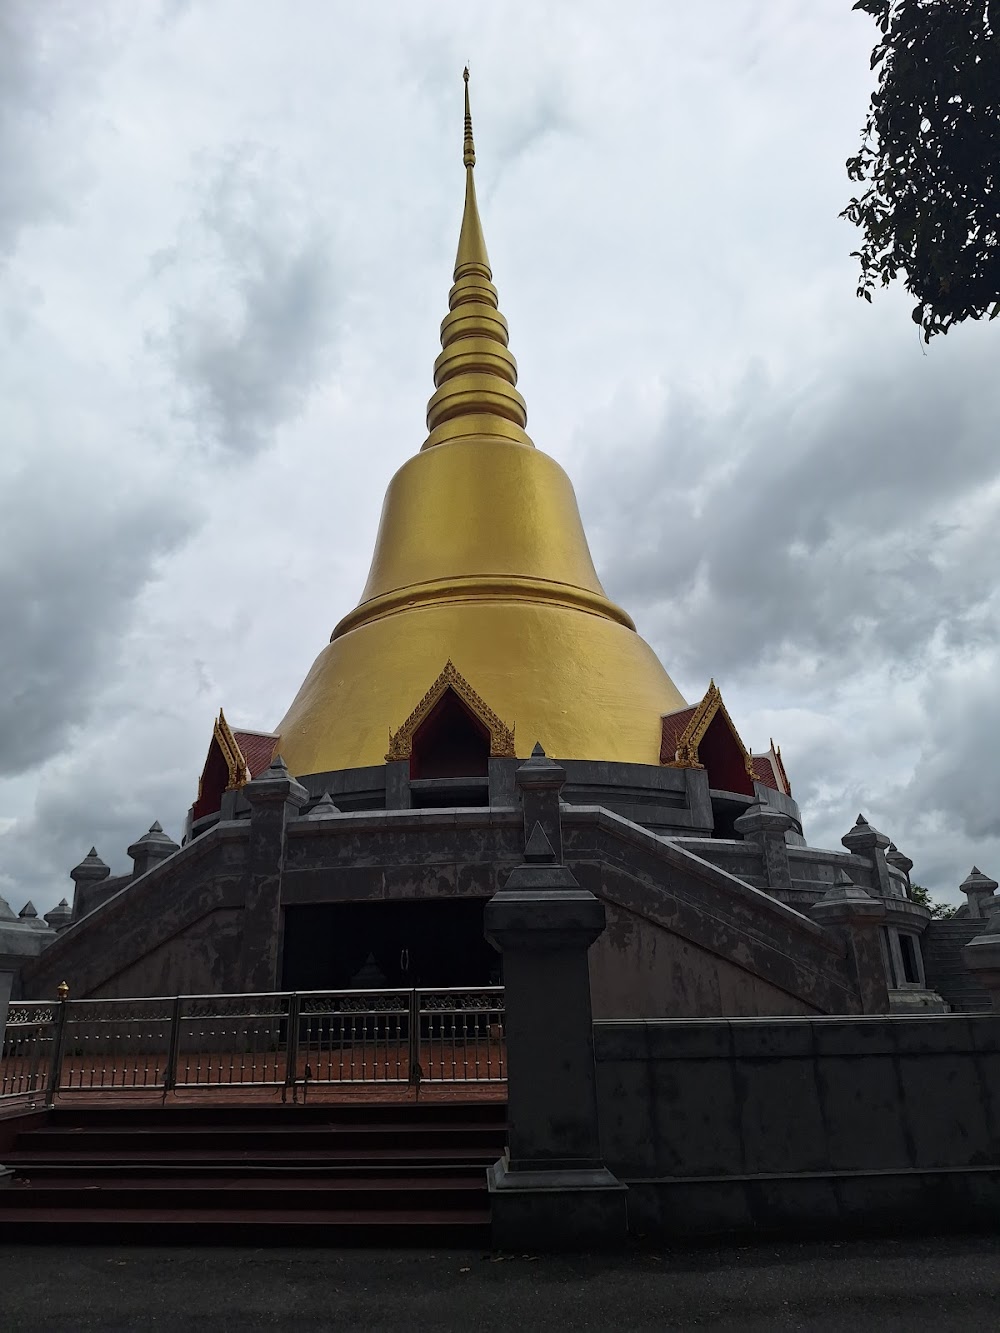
(63,990)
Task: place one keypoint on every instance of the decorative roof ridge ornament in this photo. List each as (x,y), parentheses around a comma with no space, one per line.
(686,754)
(772,758)
(501,736)
(236,765)
(475,375)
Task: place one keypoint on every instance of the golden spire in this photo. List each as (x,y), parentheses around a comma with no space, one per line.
(481,560)
(475,374)
(468,148)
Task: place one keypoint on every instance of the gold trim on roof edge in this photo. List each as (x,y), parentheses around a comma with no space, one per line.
(239,770)
(686,754)
(501,736)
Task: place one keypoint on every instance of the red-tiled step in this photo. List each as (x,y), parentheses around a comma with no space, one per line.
(364,1174)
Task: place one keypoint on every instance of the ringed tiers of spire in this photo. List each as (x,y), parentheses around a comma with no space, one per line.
(481,560)
(475,375)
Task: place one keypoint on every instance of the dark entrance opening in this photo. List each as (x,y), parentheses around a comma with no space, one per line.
(367,946)
(722,756)
(450,743)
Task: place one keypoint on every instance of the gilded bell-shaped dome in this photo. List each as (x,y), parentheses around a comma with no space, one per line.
(481,560)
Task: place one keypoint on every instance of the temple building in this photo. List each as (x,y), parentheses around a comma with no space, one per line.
(485,703)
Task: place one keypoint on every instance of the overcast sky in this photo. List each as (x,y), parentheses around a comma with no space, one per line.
(227,229)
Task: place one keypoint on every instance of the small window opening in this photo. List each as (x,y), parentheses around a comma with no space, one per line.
(908,950)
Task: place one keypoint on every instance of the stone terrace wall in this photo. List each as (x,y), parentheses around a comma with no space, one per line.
(820,1123)
(789,964)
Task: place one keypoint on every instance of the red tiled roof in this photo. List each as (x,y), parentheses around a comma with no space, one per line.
(674,725)
(257,748)
(763,771)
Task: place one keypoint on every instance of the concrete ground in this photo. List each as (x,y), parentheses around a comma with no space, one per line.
(950,1283)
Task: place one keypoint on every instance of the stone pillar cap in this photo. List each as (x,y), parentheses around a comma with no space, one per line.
(29,915)
(540,879)
(976,882)
(59,915)
(897,859)
(558,918)
(323,807)
(90,868)
(864,837)
(763,819)
(846,903)
(276,784)
(540,771)
(155,843)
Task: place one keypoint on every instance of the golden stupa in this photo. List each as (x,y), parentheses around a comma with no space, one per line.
(481,561)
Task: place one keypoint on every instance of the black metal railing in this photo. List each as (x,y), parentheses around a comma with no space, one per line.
(288,1040)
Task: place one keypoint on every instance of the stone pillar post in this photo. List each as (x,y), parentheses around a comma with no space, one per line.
(980,890)
(91,870)
(766,827)
(152,848)
(274,797)
(551,1187)
(856,915)
(397,785)
(982,957)
(539,782)
(864,840)
(503,782)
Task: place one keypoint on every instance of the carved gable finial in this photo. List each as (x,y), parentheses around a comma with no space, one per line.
(694,733)
(239,773)
(501,736)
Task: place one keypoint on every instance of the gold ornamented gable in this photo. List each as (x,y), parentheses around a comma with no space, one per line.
(501,736)
(694,733)
(239,773)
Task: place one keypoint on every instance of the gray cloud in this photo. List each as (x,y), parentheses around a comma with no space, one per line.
(84,801)
(48,58)
(824,525)
(825,551)
(72,562)
(250,342)
(955,783)
(819,538)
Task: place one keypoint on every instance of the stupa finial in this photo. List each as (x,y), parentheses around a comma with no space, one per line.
(469,148)
(472,257)
(475,375)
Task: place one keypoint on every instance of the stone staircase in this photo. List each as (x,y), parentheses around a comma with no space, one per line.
(332,1174)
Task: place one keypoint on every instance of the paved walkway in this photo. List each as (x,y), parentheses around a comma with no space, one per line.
(948,1285)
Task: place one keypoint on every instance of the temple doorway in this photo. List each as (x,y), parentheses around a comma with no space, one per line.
(382,945)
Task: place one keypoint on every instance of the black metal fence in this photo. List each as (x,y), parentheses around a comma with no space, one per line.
(287,1040)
